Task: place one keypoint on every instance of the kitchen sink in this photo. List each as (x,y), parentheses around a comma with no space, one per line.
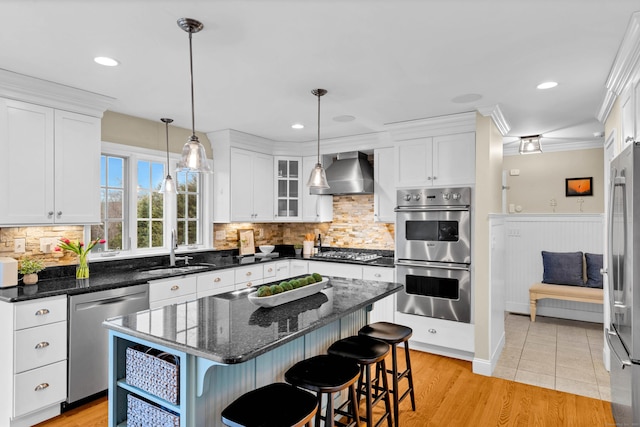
(164,271)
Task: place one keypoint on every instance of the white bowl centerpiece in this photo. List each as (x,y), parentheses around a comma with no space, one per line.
(266,249)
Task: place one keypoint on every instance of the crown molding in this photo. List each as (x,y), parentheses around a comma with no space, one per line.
(42,92)
(434,126)
(624,68)
(496,115)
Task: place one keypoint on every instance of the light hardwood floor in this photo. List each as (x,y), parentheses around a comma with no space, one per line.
(448,394)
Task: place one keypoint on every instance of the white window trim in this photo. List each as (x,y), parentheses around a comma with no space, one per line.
(133,154)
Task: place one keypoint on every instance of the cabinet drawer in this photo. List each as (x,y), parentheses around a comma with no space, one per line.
(282,270)
(249,284)
(40,346)
(335,269)
(207,282)
(175,300)
(40,387)
(378,273)
(245,274)
(269,270)
(40,312)
(171,288)
(443,333)
(207,292)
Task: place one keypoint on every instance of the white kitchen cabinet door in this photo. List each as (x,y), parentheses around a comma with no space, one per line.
(336,269)
(315,207)
(288,188)
(282,270)
(251,186)
(413,163)
(26,163)
(384,194)
(50,165)
(628,116)
(77,168)
(454,159)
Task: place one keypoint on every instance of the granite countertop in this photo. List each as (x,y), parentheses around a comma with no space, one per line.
(122,273)
(229,329)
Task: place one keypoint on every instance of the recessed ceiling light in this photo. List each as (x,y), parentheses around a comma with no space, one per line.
(106,61)
(547,85)
(297,126)
(344,118)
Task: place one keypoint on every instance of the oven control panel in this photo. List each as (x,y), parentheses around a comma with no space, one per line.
(460,196)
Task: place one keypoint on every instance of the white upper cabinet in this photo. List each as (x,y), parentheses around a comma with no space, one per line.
(628,116)
(436,161)
(288,188)
(50,165)
(384,194)
(251,178)
(315,208)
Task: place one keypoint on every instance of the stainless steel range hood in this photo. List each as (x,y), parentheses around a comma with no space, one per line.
(351,173)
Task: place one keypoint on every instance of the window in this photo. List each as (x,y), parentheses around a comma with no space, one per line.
(134,215)
(112,204)
(189,209)
(150,205)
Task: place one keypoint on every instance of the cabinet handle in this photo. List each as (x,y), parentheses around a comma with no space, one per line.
(59,213)
(42,312)
(50,214)
(41,386)
(628,139)
(248,273)
(433,331)
(42,344)
(377,275)
(216,280)
(249,284)
(175,287)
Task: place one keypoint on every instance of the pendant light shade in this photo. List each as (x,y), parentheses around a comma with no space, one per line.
(168,185)
(194,156)
(530,144)
(318,178)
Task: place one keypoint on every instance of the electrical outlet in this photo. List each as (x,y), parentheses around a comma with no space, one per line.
(19,246)
(47,244)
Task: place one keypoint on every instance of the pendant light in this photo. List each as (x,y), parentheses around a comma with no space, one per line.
(194,157)
(530,144)
(168,185)
(318,178)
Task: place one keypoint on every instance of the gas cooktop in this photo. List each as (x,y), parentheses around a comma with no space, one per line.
(347,255)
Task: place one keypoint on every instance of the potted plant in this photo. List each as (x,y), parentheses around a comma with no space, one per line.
(298,248)
(30,268)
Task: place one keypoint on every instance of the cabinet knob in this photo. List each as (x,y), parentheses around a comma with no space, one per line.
(270,270)
(377,275)
(217,279)
(435,177)
(433,331)
(175,287)
(59,213)
(41,386)
(50,214)
(42,344)
(42,312)
(249,284)
(429,178)
(248,273)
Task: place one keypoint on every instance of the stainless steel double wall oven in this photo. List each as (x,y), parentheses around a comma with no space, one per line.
(433,252)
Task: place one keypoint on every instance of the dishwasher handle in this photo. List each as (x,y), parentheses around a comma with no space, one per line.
(624,362)
(109,301)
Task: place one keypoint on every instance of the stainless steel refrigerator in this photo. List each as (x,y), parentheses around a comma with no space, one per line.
(623,332)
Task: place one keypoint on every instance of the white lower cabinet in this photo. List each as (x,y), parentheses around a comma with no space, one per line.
(336,269)
(215,282)
(438,335)
(282,270)
(33,363)
(384,309)
(173,290)
(298,267)
(249,276)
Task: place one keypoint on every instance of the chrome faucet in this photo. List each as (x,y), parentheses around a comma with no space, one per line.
(172,248)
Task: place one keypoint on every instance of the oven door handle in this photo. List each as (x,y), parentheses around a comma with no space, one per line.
(439,265)
(431,208)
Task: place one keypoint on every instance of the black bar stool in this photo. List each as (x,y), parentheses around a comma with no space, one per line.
(326,374)
(368,351)
(393,335)
(274,405)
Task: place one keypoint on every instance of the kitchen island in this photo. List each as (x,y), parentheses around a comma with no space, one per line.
(227,346)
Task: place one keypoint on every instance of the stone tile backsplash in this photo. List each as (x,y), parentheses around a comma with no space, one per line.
(353,226)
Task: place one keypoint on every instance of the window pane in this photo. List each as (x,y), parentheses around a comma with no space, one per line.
(181,232)
(143,204)
(114,204)
(156,234)
(103,171)
(116,172)
(157,208)
(192,232)
(293,165)
(103,203)
(97,231)
(157,175)
(293,188)
(192,206)
(115,238)
(144,176)
(181,205)
(182,181)
(143,234)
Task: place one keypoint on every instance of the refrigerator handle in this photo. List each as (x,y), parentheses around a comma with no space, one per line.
(623,362)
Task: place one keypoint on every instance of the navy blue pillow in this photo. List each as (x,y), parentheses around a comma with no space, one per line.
(594,264)
(562,268)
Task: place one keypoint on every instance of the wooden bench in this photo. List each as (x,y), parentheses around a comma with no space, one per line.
(564,292)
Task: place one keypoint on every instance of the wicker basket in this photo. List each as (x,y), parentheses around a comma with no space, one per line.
(154,372)
(143,414)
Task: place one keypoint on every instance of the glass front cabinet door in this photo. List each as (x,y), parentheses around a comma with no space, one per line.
(288,188)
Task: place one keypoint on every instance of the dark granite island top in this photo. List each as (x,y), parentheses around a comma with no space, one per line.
(226,346)
(228,328)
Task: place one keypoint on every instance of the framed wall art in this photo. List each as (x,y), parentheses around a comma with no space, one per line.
(578,187)
(246,242)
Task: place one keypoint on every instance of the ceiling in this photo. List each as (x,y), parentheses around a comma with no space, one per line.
(256,62)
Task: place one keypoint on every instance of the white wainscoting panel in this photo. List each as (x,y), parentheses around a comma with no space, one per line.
(526,236)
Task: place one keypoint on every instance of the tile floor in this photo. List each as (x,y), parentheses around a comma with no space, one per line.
(560,354)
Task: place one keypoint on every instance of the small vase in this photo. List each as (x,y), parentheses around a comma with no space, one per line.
(82,270)
(30,279)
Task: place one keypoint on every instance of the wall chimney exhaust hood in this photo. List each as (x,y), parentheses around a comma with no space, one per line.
(351,173)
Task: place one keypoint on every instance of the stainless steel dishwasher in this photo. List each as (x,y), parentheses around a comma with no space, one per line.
(88,340)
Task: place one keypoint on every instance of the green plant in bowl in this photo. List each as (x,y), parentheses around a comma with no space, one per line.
(30,268)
